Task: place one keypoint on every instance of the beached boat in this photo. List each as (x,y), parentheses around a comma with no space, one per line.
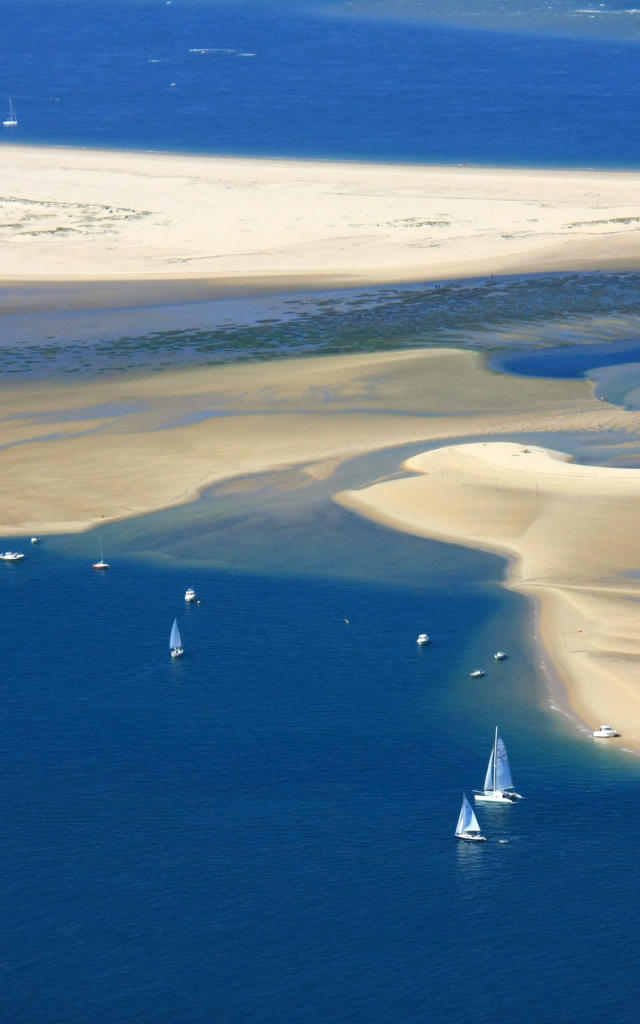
(423,639)
(11,120)
(468,827)
(175,641)
(605,732)
(498,784)
(11,556)
(500,656)
(190,594)
(477,673)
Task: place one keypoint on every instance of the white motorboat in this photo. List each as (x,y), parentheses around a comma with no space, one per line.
(35,540)
(11,120)
(468,827)
(11,556)
(423,639)
(498,784)
(190,594)
(477,673)
(605,732)
(175,642)
(500,656)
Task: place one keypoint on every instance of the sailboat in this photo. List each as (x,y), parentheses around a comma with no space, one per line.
(100,564)
(498,784)
(11,121)
(175,643)
(468,827)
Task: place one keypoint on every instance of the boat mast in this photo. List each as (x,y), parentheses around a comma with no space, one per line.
(495,760)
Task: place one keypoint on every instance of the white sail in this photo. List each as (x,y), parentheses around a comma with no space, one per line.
(460,825)
(174,639)
(467,821)
(503,772)
(11,119)
(488,779)
(498,775)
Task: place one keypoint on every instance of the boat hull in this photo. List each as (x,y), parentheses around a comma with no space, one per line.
(467,837)
(497,797)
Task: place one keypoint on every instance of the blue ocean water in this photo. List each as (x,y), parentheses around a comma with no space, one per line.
(262,832)
(280,79)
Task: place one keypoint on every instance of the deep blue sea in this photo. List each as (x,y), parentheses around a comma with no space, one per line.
(262,831)
(310,79)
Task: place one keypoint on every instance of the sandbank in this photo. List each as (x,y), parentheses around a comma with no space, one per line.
(150,227)
(73,455)
(571,533)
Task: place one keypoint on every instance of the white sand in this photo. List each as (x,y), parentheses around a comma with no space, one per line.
(69,214)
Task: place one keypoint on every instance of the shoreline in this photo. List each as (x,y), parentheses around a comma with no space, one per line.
(570,546)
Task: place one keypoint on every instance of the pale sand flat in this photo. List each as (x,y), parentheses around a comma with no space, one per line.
(61,476)
(261,225)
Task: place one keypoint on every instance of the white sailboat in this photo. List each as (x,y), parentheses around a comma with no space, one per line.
(498,784)
(11,120)
(100,564)
(175,642)
(468,827)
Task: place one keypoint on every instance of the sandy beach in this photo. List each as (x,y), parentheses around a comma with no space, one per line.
(88,230)
(570,532)
(194,226)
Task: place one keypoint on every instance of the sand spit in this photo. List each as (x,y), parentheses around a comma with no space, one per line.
(571,532)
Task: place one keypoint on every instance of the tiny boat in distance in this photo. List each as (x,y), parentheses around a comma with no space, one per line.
(500,656)
(605,732)
(190,594)
(477,673)
(498,784)
(35,540)
(423,639)
(11,556)
(468,827)
(101,564)
(11,120)
(175,642)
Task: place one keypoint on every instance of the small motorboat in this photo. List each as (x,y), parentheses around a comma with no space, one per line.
(35,540)
(605,732)
(477,673)
(11,556)
(423,639)
(190,594)
(500,656)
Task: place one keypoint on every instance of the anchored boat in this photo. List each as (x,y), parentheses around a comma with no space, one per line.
(498,784)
